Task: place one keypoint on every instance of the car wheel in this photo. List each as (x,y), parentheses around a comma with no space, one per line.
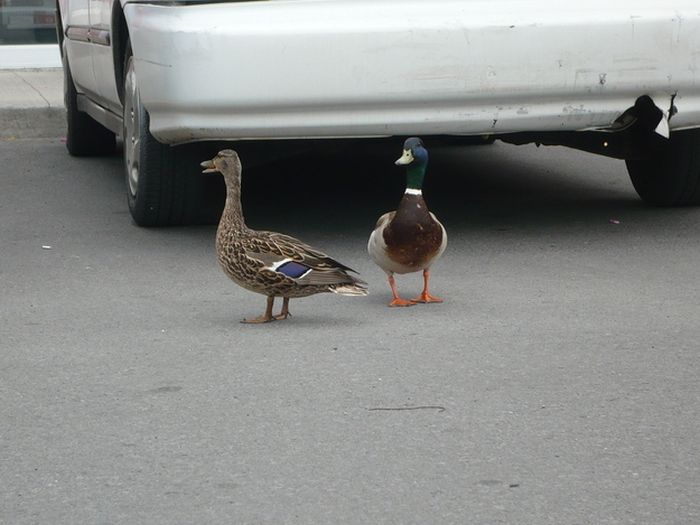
(670,174)
(164,184)
(84,136)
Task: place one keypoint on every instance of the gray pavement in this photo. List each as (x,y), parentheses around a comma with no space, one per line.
(560,376)
(31,104)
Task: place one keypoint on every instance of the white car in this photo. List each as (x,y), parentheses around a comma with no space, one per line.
(615,78)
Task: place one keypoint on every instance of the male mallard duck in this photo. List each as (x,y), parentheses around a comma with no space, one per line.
(411,238)
(270,263)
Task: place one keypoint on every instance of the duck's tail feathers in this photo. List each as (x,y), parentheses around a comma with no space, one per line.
(357,288)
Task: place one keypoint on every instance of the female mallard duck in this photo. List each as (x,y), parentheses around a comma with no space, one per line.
(270,263)
(411,238)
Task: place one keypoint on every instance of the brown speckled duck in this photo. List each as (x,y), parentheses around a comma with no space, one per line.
(270,263)
(411,238)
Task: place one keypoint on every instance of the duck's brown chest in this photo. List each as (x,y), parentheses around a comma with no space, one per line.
(413,237)
(230,252)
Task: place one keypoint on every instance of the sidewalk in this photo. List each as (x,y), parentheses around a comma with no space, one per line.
(31,104)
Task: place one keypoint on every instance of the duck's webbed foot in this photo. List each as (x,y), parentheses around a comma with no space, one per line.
(396,300)
(266,317)
(258,320)
(425,296)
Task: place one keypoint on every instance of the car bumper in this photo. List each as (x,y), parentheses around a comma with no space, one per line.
(352,68)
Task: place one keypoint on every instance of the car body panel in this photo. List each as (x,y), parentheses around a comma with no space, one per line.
(102,55)
(75,14)
(358,68)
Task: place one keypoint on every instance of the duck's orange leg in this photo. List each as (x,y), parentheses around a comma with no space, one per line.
(397,301)
(425,296)
(264,318)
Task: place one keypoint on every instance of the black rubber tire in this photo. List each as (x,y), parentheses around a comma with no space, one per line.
(670,174)
(170,189)
(85,137)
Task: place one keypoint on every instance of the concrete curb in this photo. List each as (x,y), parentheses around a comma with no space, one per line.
(31,104)
(32,123)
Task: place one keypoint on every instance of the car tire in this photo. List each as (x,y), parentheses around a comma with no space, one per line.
(670,174)
(84,136)
(164,183)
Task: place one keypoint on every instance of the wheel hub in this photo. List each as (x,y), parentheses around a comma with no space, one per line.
(132,125)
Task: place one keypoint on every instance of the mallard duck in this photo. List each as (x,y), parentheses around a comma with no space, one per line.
(270,263)
(411,238)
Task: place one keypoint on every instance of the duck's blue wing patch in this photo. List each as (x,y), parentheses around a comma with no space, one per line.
(293,269)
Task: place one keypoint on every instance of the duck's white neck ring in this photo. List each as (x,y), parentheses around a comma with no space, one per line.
(413,191)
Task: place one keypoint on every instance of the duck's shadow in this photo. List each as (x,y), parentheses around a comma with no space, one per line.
(294,322)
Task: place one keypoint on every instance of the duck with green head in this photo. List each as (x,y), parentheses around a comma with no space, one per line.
(411,238)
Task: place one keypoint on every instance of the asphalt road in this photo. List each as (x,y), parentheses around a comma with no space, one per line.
(559,380)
